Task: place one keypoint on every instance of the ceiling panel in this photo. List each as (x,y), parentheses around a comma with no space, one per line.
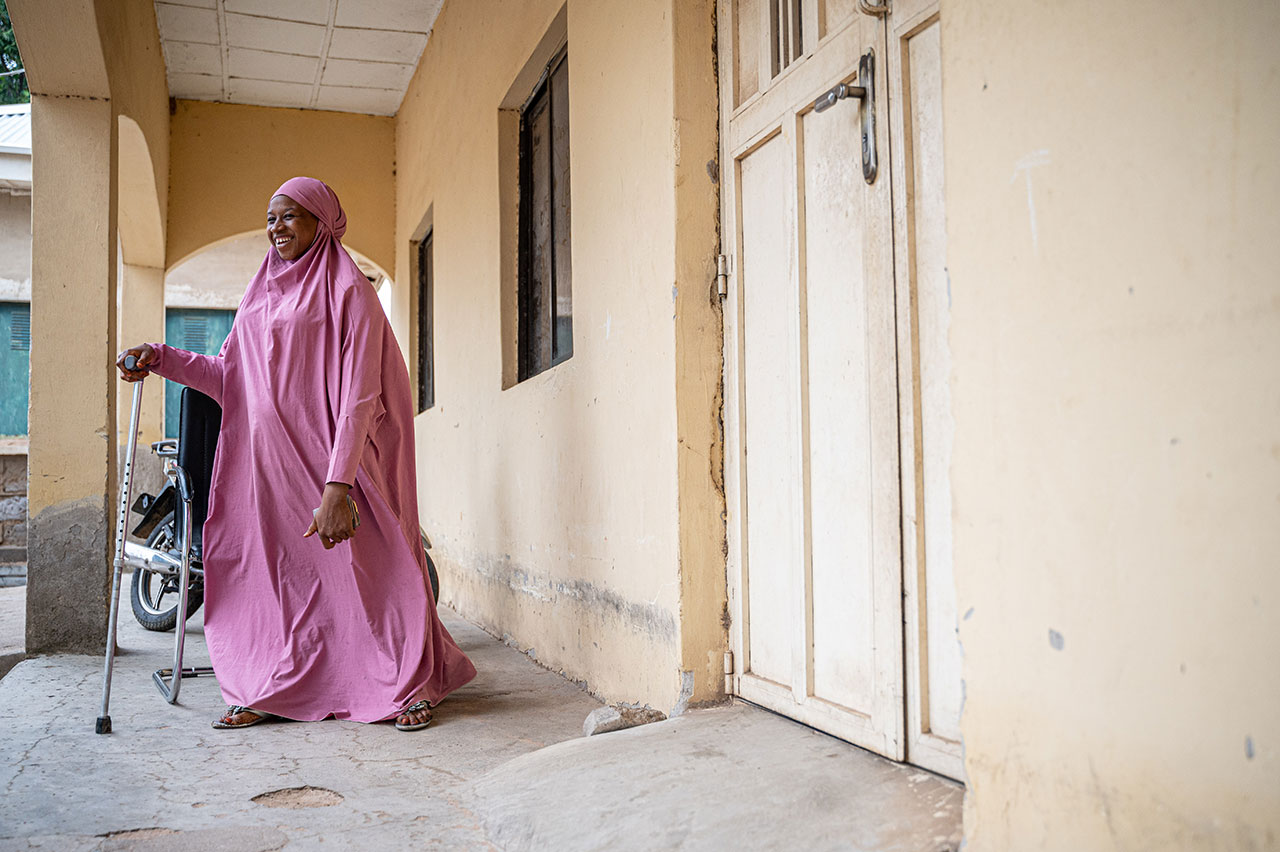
(271,34)
(262,65)
(384,45)
(268,93)
(309,11)
(184,57)
(373,75)
(197,87)
(411,15)
(375,101)
(185,23)
(349,55)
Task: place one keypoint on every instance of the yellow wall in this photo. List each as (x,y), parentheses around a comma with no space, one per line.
(553,504)
(1116,342)
(15,247)
(227,159)
(139,91)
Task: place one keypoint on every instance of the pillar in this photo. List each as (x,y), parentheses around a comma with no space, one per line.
(71,493)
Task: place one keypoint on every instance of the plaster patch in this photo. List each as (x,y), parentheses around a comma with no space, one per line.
(644,617)
(1023,166)
(686,692)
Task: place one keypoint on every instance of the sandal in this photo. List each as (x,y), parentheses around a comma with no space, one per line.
(419,707)
(236,710)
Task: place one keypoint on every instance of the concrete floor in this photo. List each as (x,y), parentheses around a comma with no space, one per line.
(504,766)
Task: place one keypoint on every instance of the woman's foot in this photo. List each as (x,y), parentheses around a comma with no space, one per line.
(239,717)
(415,717)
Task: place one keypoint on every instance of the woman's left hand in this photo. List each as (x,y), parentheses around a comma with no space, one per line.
(333,520)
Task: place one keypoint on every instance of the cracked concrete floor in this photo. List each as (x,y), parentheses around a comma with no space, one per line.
(504,766)
(165,780)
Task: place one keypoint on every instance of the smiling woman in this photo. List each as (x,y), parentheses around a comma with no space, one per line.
(315,407)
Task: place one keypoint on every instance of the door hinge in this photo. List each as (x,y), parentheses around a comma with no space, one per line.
(728,673)
(723,268)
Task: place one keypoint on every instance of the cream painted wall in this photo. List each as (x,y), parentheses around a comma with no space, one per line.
(15,247)
(227,159)
(139,92)
(553,505)
(1111,191)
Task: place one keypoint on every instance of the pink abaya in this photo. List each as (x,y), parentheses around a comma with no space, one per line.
(313,389)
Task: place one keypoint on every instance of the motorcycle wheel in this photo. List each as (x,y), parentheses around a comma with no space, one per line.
(431,567)
(155,596)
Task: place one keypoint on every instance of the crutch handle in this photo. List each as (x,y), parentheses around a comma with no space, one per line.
(131,362)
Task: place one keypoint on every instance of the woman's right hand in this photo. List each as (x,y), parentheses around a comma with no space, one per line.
(145,354)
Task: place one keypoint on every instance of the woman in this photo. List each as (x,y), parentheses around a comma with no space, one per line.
(316,598)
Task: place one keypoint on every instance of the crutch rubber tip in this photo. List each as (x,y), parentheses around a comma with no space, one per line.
(103,725)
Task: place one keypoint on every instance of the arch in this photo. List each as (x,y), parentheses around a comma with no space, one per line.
(366,264)
(140,223)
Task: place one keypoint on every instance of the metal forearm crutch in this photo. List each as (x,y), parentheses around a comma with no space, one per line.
(103,725)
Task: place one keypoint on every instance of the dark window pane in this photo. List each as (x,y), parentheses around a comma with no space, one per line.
(562,298)
(426,345)
(540,243)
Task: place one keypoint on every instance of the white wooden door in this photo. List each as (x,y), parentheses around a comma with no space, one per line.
(818,396)
(811,377)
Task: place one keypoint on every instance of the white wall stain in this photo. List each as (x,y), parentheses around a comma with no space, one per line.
(1024,165)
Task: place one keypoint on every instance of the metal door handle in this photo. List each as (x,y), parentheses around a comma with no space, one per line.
(865,92)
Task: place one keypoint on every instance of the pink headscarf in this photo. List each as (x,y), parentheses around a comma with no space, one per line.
(316,196)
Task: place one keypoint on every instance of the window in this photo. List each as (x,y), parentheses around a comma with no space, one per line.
(426,353)
(20,328)
(196,330)
(545,332)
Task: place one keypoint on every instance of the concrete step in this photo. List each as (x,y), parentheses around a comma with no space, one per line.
(13,553)
(13,574)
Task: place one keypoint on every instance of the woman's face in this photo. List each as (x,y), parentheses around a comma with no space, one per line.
(290,227)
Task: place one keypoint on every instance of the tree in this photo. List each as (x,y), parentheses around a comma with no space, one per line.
(13,88)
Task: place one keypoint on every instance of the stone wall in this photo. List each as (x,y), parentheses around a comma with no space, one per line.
(13,501)
(13,519)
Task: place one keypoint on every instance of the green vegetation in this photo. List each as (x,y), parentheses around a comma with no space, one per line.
(13,88)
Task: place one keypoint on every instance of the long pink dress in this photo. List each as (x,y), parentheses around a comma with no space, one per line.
(313,389)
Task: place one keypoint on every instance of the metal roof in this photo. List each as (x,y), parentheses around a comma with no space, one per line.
(15,149)
(15,129)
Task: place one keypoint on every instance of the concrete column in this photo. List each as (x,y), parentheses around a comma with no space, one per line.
(71,492)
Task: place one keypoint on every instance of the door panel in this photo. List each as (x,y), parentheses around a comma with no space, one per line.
(932,647)
(771,395)
(839,366)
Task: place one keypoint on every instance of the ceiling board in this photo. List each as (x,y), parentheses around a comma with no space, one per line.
(348,55)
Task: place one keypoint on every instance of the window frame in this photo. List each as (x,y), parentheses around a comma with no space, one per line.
(529,356)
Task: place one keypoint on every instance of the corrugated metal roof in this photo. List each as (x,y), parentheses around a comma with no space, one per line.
(15,128)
